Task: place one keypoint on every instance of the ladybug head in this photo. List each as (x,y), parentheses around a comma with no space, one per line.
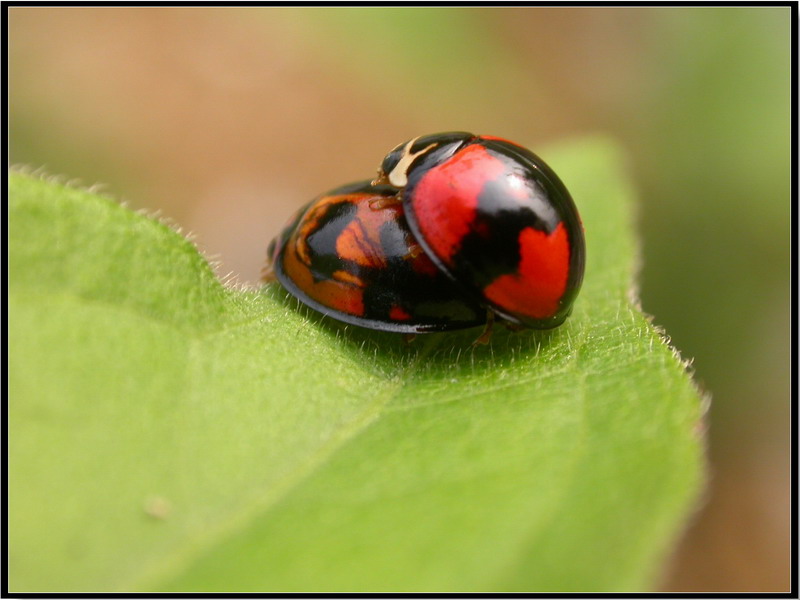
(430,149)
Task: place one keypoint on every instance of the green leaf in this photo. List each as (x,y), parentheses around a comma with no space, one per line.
(167,433)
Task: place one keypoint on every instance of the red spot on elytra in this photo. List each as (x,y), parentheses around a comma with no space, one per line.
(541,279)
(446,199)
(360,241)
(424,266)
(398,313)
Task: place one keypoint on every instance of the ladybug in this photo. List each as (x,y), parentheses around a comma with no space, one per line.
(496,219)
(350,255)
(455,229)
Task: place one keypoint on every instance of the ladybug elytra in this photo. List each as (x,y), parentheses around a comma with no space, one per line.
(454,224)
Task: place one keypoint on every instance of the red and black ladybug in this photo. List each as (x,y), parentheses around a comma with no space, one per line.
(455,224)
(496,219)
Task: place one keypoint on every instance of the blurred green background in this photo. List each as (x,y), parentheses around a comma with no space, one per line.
(225,120)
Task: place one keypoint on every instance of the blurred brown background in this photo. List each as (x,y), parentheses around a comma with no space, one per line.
(225,120)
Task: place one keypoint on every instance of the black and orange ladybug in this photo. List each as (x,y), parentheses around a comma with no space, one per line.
(455,227)
(349,257)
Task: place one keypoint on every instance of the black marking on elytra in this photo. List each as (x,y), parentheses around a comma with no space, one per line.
(322,241)
(395,241)
(491,248)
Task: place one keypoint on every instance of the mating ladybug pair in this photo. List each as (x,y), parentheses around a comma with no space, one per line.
(457,228)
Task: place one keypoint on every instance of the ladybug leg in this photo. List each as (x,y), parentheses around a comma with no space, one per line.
(408,338)
(414,250)
(381,179)
(487,331)
(385,202)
